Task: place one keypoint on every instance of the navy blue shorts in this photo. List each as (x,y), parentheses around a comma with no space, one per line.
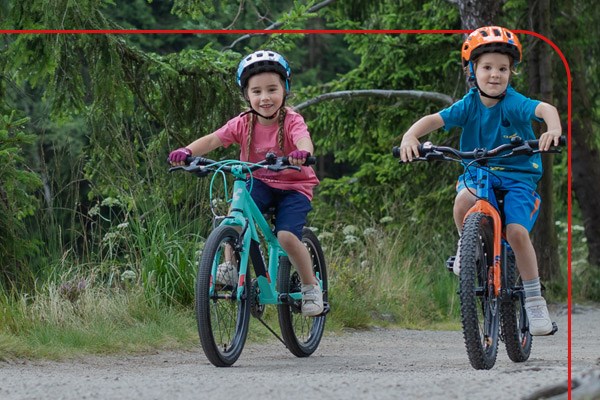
(291,207)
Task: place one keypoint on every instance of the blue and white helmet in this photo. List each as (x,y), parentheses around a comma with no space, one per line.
(263,61)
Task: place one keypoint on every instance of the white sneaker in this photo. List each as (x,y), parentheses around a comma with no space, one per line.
(312,300)
(540,323)
(456,264)
(227,274)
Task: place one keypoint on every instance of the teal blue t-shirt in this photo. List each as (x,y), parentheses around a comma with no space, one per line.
(484,127)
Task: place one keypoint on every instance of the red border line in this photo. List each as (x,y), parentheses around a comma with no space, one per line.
(370,32)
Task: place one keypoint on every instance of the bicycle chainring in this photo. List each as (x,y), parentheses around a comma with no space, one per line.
(256,309)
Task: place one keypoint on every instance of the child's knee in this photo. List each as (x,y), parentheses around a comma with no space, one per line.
(286,238)
(517,234)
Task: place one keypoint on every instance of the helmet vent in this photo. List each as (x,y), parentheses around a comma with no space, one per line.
(497,32)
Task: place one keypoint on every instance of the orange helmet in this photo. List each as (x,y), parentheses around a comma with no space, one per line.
(491,39)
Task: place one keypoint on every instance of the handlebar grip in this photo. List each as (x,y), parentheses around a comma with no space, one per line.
(396,151)
(562,141)
(309,160)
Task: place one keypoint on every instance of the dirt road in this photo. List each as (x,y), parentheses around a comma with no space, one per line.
(375,364)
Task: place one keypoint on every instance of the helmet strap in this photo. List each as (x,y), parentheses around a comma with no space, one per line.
(484,94)
(253,111)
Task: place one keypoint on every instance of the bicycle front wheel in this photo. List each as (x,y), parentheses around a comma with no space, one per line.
(301,335)
(222,317)
(517,338)
(478,304)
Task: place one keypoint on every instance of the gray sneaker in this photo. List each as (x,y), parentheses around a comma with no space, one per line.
(312,300)
(227,274)
(540,323)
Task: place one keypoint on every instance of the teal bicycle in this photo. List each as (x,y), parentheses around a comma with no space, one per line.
(243,237)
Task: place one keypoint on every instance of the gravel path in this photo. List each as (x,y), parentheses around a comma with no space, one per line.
(374,364)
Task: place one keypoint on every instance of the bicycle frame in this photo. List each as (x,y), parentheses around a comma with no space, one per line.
(244,213)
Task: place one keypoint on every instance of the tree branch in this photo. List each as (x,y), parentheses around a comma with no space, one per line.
(276,25)
(411,94)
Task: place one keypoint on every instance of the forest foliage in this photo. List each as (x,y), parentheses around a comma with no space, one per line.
(87,122)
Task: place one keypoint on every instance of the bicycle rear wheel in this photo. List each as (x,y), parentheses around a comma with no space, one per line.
(478,304)
(222,319)
(513,323)
(301,335)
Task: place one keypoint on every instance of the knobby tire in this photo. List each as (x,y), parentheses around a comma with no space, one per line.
(301,335)
(478,305)
(517,338)
(222,322)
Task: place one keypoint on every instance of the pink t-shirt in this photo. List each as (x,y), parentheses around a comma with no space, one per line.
(264,140)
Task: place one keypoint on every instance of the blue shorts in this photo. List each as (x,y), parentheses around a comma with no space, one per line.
(291,206)
(521,202)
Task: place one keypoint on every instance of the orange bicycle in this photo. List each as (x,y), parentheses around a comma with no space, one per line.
(492,298)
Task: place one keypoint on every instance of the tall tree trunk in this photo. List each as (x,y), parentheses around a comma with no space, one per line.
(582,48)
(474,14)
(545,239)
(586,158)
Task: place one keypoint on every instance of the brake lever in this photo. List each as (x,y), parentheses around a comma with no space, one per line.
(280,167)
(552,150)
(414,159)
(192,168)
(171,169)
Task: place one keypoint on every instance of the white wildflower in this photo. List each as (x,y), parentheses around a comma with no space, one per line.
(128,275)
(324,236)
(349,230)
(370,232)
(350,239)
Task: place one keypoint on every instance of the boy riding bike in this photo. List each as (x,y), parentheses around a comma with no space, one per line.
(269,127)
(490,114)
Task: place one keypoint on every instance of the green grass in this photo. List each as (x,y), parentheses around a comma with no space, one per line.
(97,322)
(377,278)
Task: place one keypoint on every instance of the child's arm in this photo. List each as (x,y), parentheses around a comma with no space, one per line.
(549,114)
(409,147)
(304,147)
(198,147)
(205,144)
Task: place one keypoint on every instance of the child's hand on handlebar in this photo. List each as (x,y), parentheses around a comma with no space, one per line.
(409,148)
(178,157)
(549,139)
(298,157)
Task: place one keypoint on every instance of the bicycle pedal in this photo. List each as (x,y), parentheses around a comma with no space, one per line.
(450,263)
(552,332)
(554,329)
(325,311)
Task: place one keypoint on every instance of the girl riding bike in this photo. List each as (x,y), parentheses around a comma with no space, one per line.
(269,127)
(490,114)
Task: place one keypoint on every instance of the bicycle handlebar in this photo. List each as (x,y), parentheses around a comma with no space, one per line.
(203,166)
(517,146)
